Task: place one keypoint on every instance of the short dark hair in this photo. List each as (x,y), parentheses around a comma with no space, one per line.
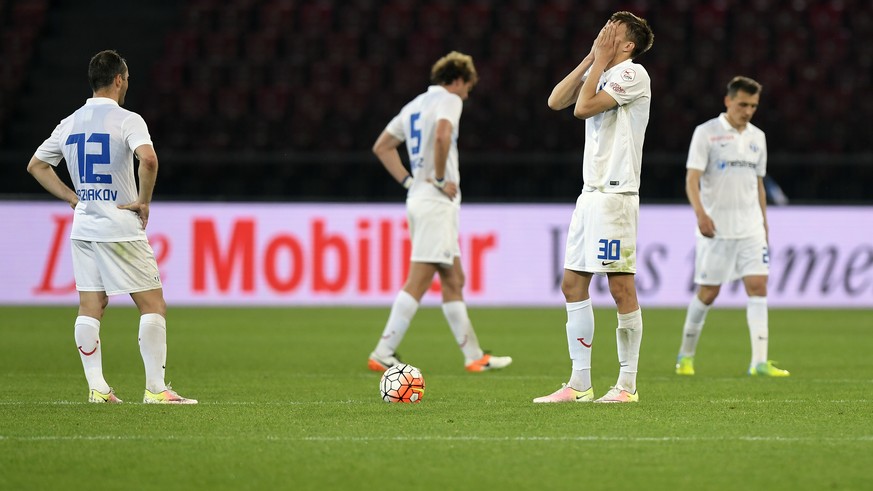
(745,84)
(103,68)
(638,31)
(448,68)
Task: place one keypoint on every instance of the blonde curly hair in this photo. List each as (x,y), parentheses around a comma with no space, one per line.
(455,64)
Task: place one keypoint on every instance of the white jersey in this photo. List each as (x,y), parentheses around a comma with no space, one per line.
(416,125)
(98,143)
(614,138)
(731,163)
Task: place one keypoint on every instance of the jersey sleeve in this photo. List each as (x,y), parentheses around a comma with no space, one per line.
(395,128)
(698,151)
(450,108)
(627,84)
(50,150)
(136,132)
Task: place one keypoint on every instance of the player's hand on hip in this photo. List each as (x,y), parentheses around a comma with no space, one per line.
(448,188)
(141,209)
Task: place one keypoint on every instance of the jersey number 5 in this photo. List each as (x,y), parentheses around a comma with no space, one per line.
(86,164)
(414,132)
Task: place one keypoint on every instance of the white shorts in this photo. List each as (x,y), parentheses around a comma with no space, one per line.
(433,229)
(602,237)
(718,261)
(115,267)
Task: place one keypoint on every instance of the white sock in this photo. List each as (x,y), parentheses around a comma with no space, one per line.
(694,320)
(153,348)
(456,315)
(580,337)
(402,312)
(87,332)
(756,315)
(629,336)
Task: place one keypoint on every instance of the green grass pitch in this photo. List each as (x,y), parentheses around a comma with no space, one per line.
(286,402)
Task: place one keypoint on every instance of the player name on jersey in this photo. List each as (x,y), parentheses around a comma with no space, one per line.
(97,194)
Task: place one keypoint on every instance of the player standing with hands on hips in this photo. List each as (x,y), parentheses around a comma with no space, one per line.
(429,126)
(111,253)
(727,162)
(613,95)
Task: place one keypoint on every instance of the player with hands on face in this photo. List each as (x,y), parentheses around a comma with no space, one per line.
(612,94)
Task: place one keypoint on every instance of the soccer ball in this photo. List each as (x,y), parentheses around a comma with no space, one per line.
(402,383)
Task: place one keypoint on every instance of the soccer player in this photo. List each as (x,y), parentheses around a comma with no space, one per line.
(111,253)
(613,94)
(429,126)
(727,162)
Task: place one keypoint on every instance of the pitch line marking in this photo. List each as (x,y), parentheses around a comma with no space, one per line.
(204,403)
(352,402)
(509,439)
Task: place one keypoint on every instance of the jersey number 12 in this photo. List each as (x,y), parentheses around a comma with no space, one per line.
(87,161)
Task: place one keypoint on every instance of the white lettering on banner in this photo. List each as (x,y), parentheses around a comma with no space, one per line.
(305,254)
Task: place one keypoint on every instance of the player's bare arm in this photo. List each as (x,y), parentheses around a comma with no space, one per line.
(385,150)
(48,179)
(692,190)
(148,174)
(566,91)
(590,102)
(762,200)
(442,142)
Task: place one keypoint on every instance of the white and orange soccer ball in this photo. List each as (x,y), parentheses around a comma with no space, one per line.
(402,383)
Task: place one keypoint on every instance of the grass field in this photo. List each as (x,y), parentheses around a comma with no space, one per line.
(286,402)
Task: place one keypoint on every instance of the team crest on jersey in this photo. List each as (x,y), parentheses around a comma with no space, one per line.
(754,147)
(628,74)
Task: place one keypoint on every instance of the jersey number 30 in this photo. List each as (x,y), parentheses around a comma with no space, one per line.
(86,164)
(609,249)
